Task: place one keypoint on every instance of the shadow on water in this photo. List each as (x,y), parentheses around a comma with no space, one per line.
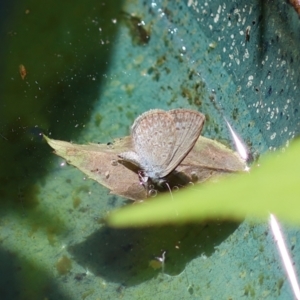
(54,59)
(22,279)
(129,256)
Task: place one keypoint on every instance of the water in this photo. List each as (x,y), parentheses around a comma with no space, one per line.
(84,85)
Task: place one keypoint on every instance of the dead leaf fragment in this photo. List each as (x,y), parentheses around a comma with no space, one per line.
(208,159)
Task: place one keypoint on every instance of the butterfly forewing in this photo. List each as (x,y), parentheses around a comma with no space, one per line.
(154,138)
(188,125)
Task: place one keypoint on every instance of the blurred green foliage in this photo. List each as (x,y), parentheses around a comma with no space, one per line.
(271,186)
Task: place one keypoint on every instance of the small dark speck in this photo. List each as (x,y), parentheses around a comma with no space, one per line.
(127,247)
(150,70)
(167,70)
(140,34)
(79,276)
(270,91)
(247,34)
(191,75)
(83,209)
(120,288)
(112,201)
(168,13)
(191,290)
(197,101)
(292,248)
(156,76)
(235,113)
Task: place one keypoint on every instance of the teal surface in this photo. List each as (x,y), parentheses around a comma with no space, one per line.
(91,70)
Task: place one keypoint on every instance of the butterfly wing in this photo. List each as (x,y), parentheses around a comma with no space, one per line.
(154,138)
(188,126)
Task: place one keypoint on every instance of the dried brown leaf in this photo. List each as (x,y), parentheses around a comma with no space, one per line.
(208,159)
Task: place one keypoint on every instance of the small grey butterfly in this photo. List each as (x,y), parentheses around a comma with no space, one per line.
(161,140)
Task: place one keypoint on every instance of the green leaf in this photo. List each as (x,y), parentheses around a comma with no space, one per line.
(270,186)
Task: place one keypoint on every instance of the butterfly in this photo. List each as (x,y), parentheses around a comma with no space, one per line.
(161,140)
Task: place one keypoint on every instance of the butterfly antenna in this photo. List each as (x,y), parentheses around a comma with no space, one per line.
(169,188)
